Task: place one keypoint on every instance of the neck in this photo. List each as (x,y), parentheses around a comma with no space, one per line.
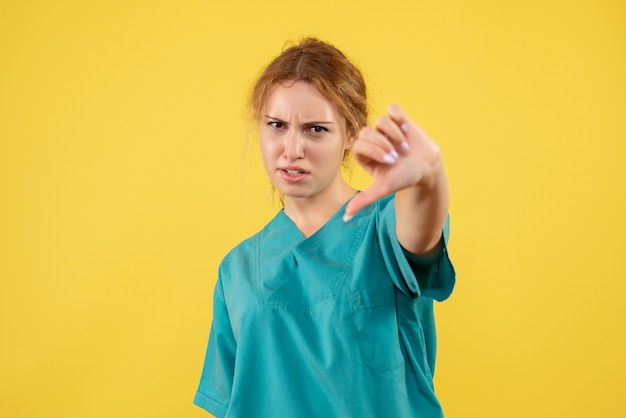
(311,213)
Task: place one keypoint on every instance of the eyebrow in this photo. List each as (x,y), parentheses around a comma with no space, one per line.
(306,123)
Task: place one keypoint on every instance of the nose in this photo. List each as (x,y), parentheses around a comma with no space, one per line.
(294,146)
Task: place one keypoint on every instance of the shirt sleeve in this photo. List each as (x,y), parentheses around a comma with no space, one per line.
(433,277)
(216,382)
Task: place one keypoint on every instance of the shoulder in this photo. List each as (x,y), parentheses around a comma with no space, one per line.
(241,253)
(386,203)
(244,253)
(378,208)
(384,211)
(237,270)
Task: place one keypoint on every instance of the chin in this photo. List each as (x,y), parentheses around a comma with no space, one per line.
(292,192)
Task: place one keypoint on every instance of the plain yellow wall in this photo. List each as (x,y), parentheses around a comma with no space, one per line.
(122,187)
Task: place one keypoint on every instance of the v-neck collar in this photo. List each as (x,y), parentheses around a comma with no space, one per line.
(300,272)
(290,224)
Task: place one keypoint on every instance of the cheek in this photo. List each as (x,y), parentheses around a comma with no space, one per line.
(268,150)
(331,156)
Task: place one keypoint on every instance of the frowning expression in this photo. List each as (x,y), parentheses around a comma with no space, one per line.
(303,139)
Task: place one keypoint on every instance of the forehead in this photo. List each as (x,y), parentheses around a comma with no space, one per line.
(299,99)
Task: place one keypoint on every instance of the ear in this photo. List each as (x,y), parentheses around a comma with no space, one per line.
(350,141)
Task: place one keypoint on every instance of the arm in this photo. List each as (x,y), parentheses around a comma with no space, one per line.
(421,211)
(216,380)
(402,159)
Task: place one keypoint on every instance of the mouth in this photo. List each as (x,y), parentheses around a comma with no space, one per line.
(293,174)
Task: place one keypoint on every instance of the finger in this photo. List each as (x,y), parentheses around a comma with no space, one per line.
(374,146)
(392,131)
(399,116)
(368,196)
(410,129)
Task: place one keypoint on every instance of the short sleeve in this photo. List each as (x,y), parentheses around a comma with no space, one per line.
(216,382)
(433,277)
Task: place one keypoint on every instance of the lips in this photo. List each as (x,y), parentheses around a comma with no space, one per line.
(294,171)
(293,174)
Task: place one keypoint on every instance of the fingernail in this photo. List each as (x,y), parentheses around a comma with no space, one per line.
(404,127)
(405,146)
(347,217)
(391,157)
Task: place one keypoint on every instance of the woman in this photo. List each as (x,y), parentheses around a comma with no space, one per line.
(328,310)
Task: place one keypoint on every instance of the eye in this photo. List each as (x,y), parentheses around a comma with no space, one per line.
(276,125)
(316,129)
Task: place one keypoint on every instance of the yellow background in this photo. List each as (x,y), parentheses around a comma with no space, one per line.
(121,188)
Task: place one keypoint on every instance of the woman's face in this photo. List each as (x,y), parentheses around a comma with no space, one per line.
(302,139)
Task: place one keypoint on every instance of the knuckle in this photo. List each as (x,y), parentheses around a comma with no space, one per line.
(380,120)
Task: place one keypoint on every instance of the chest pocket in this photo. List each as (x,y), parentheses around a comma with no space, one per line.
(375,318)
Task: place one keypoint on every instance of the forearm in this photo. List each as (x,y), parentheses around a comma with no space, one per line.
(421,211)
